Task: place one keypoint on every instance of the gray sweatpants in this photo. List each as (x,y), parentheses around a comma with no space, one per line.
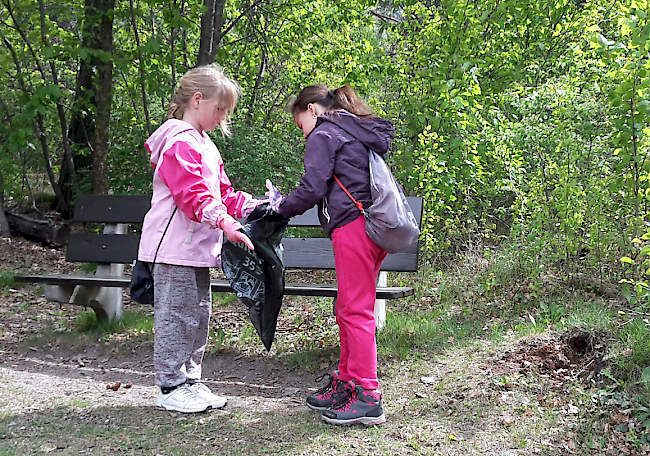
(182,308)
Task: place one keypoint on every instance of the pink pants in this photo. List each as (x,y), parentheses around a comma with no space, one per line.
(357,260)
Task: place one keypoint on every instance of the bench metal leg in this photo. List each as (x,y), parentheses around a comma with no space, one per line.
(59,293)
(380,304)
(107,302)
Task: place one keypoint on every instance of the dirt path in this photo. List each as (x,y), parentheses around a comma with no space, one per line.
(64,368)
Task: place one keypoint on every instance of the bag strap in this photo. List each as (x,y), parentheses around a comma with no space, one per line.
(163,235)
(358,204)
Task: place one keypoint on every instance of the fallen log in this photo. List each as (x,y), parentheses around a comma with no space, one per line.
(44,231)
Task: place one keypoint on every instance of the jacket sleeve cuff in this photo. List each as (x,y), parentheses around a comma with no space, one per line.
(212,214)
(248,206)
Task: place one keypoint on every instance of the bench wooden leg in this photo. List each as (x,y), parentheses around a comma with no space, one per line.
(380,304)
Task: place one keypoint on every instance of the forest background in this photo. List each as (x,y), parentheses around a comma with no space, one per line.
(522,123)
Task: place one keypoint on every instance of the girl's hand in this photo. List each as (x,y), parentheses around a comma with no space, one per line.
(275,198)
(231,227)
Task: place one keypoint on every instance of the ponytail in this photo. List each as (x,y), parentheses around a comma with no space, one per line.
(346,98)
(343,97)
(175,111)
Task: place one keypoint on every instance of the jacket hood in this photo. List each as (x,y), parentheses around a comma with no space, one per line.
(164,136)
(374,132)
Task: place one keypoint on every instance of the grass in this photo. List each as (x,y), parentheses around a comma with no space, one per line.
(451,333)
(6,278)
(134,322)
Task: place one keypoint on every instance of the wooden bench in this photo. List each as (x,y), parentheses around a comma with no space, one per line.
(116,247)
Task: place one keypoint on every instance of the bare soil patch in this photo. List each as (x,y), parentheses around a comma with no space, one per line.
(577,356)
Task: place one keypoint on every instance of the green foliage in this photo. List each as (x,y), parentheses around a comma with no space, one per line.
(251,156)
(218,340)
(556,161)
(465,55)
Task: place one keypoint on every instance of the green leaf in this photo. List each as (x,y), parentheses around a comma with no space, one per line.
(645,376)
(604,42)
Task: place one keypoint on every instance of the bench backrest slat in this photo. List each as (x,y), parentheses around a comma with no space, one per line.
(102,248)
(316,253)
(310,253)
(111,208)
(300,253)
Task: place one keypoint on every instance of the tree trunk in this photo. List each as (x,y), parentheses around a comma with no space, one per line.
(211,25)
(103,99)
(83,134)
(256,87)
(4,225)
(81,131)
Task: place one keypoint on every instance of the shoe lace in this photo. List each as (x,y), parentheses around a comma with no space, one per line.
(346,403)
(328,387)
(186,391)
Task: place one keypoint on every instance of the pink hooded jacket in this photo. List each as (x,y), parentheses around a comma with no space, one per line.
(188,174)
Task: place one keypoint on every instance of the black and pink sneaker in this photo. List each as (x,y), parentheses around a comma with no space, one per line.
(334,393)
(363,406)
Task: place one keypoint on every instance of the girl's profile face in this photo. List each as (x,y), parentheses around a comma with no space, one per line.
(207,113)
(306,120)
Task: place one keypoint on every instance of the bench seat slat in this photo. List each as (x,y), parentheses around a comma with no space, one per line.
(299,289)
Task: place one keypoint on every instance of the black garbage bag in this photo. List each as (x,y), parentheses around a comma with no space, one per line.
(257,276)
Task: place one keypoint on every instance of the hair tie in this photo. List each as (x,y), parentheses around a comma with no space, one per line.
(331,93)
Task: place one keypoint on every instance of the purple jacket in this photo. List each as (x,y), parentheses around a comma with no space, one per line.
(332,149)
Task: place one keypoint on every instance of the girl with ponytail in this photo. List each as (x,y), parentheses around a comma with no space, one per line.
(193,206)
(340,129)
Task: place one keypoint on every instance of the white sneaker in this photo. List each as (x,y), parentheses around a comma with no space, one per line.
(182,399)
(204,393)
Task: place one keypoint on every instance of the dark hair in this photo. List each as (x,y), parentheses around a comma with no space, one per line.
(331,99)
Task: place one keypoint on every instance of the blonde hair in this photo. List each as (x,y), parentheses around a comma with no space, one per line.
(211,82)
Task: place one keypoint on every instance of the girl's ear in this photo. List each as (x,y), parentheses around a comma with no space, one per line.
(196,97)
(312,109)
